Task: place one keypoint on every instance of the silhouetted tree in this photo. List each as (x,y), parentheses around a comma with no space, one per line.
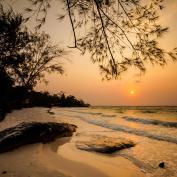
(5,89)
(5,82)
(26,56)
(40,56)
(13,39)
(117,33)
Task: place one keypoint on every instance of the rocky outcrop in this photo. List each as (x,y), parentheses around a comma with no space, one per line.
(104,144)
(33,132)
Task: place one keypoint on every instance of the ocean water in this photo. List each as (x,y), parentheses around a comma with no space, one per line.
(153,129)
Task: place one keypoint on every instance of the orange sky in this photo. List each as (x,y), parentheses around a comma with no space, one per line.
(157,87)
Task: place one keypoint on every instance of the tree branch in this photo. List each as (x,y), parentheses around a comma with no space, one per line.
(72,25)
(104,32)
(118,27)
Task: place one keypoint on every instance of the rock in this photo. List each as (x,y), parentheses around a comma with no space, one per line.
(4,172)
(162,165)
(104,144)
(33,132)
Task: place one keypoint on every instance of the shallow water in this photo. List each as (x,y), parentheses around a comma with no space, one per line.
(153,129)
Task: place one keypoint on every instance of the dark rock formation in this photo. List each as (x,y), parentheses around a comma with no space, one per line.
(33,132)
(162,165)
(104,144)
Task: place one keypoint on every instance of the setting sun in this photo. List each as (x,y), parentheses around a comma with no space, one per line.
(132,92)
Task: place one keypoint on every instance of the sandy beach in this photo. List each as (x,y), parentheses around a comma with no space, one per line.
(61,158)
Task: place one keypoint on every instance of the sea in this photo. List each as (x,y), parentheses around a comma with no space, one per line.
(152,128)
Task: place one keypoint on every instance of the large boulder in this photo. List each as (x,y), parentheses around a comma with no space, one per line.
(103,144)
(33,132)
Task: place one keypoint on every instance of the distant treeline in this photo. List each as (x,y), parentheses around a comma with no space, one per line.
(45,99)
(19,97)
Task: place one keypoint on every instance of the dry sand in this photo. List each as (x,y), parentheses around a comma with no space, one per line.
(60,158)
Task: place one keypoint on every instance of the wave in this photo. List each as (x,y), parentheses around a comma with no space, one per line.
(151,121)
(103,123)
(94,113)
(82,112)
(132,130)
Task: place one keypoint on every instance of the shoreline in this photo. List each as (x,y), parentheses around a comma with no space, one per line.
(60,158)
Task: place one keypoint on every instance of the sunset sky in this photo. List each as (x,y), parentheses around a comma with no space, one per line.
(158,86)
